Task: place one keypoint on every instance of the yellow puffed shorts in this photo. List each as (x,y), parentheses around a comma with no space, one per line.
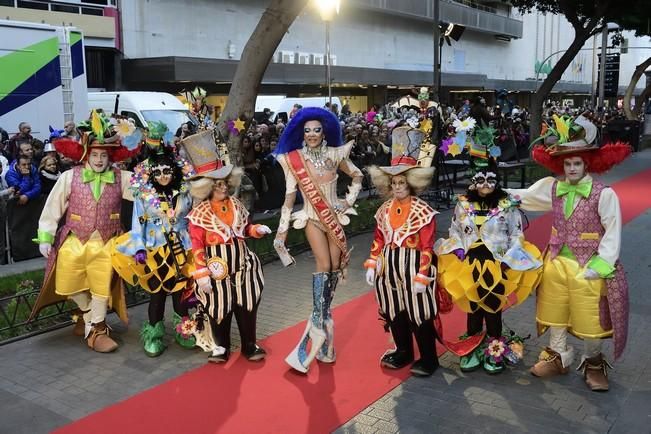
(566,299)
(81,267)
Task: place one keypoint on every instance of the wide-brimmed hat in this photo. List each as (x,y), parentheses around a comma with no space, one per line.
(410,149)
(203,152)
(570,137)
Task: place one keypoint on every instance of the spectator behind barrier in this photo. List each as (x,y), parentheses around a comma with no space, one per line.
(23,176)
(49,173)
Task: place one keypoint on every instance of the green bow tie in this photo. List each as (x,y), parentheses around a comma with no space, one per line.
(571,190)
(96,180)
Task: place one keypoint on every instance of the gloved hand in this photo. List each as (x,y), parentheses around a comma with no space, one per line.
(140,257)
(459,253)
(419,288)
(370,276)
(45,249)
(204,284)
(263,230)
(590,274)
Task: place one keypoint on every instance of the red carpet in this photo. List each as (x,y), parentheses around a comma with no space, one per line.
(243,397)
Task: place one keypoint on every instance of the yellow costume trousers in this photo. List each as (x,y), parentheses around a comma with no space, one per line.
(566,299)
(82,267)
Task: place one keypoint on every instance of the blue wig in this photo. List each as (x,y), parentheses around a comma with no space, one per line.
(292,137)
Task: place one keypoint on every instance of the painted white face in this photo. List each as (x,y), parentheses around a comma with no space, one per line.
(574,169)
(162,174)
(485,183)
(220,190)
(399,187)
(98,160)
(313,133)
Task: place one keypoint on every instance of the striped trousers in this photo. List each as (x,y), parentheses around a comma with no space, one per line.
(394,286)
(243,285)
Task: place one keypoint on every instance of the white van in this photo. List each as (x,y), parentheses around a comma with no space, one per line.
(286,105)
(143,107)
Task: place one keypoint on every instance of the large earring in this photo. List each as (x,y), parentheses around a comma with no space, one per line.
(303,144)
(324,142)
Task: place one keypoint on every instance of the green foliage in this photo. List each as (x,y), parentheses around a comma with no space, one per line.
(17,283)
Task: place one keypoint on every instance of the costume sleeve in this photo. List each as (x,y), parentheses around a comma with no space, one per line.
(538,197)
(290,196)
(125,182)
(198,236)
(426,237)
(516,257)
(456,234)
(346,165)
(54,209)
(609,247)
(376,248)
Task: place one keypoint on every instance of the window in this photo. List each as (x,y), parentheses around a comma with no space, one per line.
(64,8)
(92,11)
(9,3)
(132,115)
(32,5)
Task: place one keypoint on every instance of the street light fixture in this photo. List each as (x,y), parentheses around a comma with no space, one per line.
(328,9)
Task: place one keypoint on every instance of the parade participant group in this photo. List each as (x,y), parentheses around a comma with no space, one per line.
(188,239)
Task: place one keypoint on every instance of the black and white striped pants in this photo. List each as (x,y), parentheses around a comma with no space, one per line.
(394,286)
(243,285)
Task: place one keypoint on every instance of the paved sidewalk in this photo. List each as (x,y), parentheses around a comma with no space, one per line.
(51,379)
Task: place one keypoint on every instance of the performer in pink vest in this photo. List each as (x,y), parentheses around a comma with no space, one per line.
(88,199)
(583,288)
(310,152)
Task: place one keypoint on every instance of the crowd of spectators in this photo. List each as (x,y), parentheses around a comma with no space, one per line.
(31,167)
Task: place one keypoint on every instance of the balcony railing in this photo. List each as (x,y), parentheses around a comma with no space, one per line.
(472,15)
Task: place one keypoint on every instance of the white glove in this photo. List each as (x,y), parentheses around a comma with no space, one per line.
(590,274)
(263,230)
(204,284)
(45,249)
(370,276)
(419,288)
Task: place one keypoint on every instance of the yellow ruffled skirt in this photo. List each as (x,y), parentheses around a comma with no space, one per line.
(470,283)
(157,273)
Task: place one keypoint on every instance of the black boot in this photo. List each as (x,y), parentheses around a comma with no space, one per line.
(426,340)
(404,352)
(246,322)
(222,338)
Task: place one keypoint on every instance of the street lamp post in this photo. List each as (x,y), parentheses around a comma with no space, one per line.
(328,9)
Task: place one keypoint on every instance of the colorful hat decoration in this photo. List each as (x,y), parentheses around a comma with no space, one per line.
(204,154)
(411,148)
(478,141)
(97,132)
(158,134)
(572,137)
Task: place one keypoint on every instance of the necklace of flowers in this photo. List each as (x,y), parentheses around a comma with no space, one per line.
(144,189)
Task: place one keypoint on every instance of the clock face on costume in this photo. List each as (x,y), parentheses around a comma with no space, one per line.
(218,268)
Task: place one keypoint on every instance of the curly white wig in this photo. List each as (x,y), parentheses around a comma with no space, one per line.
(201,188)
(418,178)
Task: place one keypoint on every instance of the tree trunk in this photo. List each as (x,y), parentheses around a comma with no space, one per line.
(631,88)
(274,23)
(554,76)
(640,102)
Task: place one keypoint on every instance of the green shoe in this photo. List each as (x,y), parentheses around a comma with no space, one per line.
(152,338)
(470,362)
(187,343)
(492,368)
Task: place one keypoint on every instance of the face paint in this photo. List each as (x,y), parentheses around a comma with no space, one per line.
(162,174)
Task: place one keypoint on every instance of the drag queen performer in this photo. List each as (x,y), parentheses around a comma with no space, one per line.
(156,253)
(87,200)
(484,260)
(400,265)
(229,275)
(583,289)
(310,152)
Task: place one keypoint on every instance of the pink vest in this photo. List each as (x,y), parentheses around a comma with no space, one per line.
(86,215)
(583,231)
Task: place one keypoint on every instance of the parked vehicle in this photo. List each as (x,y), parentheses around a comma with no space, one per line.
(42,76)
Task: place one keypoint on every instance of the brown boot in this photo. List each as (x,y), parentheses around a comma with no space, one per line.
(79,329)
(549,364)
(99,340)
(595,373)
